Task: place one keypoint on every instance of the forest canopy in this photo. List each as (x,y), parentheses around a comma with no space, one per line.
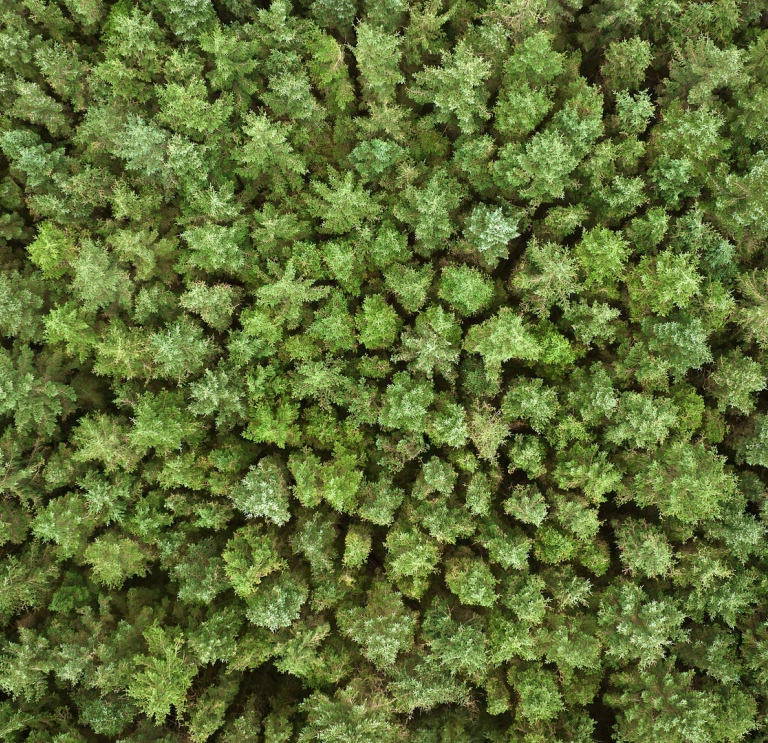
(383,371)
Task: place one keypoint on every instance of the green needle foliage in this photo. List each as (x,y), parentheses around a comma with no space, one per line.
(381,371)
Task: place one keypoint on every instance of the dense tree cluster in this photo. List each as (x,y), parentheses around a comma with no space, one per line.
(383,370)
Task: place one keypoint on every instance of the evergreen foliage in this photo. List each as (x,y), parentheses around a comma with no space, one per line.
(383,370)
